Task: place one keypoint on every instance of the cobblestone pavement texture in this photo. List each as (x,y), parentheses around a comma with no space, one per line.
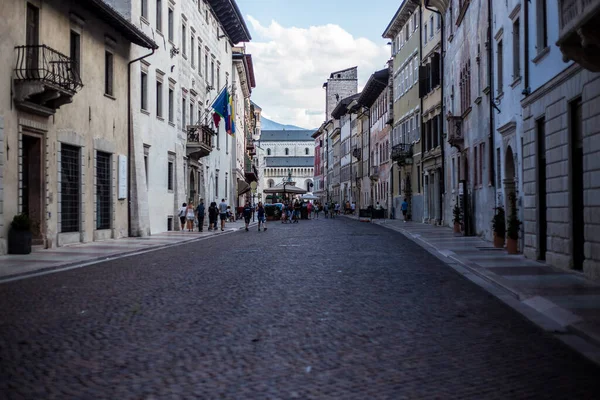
(321,309)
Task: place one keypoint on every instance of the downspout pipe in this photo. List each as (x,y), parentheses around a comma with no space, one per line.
(441,128)
(492,151)
(526,48)
(130,138)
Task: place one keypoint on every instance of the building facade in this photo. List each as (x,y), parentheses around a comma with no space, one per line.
(64,130)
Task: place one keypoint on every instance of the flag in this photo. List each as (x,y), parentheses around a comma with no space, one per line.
(216,119)
(220,104)
(230,120)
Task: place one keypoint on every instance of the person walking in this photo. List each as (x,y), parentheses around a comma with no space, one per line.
(260,213)
(326,209)
(353,208)
(213,215)
(297,210)
(223,213)
(200,215)
(309,209)
(317,210)
(404,208)
(247,214)
(182,211)
(190,216)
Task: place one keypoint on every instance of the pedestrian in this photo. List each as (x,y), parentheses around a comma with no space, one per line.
(404,208)
(353,207)
(317,210)
(190,215)
(181,213)
(337,208)
(309,208)
(213,215)
(326,209)
(247,214)
(297,210)
(260,213)
(200,215)
(378,206)
(223,213)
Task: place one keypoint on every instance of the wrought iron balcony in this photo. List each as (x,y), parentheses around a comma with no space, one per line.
(579,37)
(199,141)
(250,170)
(455,133)
(402,153)
(356,153)
(374,173)
(44,79)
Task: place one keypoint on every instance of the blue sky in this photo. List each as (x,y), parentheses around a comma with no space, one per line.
(296,44)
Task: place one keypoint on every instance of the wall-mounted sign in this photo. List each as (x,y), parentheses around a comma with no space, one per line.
(122,191)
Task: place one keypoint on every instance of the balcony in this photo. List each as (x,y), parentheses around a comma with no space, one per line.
(199,141)
(250,146)
(250,170)
(356,153)
(374,173)
(455,134)
(402,153)
(579,37)
(44,79)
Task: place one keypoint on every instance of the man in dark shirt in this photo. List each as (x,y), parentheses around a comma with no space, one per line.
(200,215)
(247,214)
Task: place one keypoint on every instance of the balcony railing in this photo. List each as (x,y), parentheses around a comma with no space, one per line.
(199,141)
(44,79)
(455,134)
(402,153)
(250,170)
(579,38)
(374,172)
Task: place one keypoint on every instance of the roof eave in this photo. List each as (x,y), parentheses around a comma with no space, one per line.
(232,20)
(400,18)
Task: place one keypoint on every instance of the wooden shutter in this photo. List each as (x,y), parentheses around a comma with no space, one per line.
(422,81)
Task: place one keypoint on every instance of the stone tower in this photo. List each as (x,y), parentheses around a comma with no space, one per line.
(340,85)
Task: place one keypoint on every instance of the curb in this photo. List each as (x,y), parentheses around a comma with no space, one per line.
(97,260)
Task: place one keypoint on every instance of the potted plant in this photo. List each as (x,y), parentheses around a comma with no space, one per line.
(19,235)
(457,219)
(513,227)
(499,227)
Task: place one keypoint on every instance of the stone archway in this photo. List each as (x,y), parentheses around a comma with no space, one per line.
(509,176)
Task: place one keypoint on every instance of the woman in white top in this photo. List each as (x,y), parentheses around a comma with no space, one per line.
(190,216)
(181,214)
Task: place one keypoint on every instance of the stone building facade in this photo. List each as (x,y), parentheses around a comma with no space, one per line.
(64,141)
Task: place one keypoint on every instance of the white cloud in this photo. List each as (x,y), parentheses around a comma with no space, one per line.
(291,64)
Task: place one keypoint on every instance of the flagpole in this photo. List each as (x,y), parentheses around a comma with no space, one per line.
(209,109)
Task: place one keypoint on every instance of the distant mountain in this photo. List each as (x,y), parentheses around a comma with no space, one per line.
(268,125)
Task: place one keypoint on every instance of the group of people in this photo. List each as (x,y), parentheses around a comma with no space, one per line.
(190,216)
(291,212)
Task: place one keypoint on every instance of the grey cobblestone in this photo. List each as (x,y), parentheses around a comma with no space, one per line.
(322,309)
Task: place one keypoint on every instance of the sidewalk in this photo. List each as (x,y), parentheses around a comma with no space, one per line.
(43,260)
(569,301)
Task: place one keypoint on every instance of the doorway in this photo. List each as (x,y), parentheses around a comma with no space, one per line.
(577,204)
(31,184)
(541,181)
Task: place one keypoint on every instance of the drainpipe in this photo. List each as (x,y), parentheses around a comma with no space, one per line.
(492,151)
(526,48)
(442,144)
(130,138)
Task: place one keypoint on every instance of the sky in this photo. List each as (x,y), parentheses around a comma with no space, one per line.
(297,44)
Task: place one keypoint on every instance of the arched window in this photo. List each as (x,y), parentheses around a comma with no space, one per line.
(270,183)
(287,151)
(306,151)
(268,152)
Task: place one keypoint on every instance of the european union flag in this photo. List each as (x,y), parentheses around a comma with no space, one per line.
(221,103)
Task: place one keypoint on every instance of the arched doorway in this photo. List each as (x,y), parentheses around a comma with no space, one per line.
(192,186)
(509,177)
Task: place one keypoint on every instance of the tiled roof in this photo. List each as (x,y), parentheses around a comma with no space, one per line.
(286,136)
(307,161)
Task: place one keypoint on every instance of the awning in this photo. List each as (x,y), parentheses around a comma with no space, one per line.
(287,189)
(243,187)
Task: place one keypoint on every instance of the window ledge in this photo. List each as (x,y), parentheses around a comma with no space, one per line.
(171,123)
(541,55)
(144,20)
(467,112)
(486,90)
(515,82)
(499,97)
(159,32)
(158,117)
(110,96)
(144,111)
(478,100)
(450,38)
(184,56)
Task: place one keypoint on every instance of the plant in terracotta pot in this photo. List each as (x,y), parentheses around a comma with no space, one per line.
(513,227)
(19,235)
(457,218)
(499,227)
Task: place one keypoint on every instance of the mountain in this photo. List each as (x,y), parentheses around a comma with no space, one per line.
(268,125)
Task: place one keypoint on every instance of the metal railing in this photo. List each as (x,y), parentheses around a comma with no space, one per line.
(200,135)
(42,63)
(401,151)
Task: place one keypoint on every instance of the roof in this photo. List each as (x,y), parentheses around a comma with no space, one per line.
(286,136)
(250,70)
(342,106)
(342,70)
(400,18)
(306,161)
(112,17)
(375,85)
(232,20)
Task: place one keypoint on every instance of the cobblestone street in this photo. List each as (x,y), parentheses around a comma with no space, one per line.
(322,309)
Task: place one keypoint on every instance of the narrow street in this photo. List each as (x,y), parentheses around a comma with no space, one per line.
(322,309)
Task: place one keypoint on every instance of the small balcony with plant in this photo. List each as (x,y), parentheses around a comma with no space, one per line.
(44,79)
(199,141)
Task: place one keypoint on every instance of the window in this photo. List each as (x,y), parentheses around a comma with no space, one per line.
(70,188)
(218,77)
(430,26)
(500,69)
(516,50)
(406,33)
(306,151)
(159,99)
(498,168)
(199,57)
(475,167)
(416,20)
(212,73)
(183,39)
(206,65)
(159,15)
(418,179)
(438,22)
(103,189)
(144,91)
(192,51)
(268,152)
(481,162)
(206,15)
(541,25)
(145,8)
(425,35)
(108,73)
(191,113)
(287,151)
(171,109)
(170,176)
(171,23)
(183,111)
(75,53)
